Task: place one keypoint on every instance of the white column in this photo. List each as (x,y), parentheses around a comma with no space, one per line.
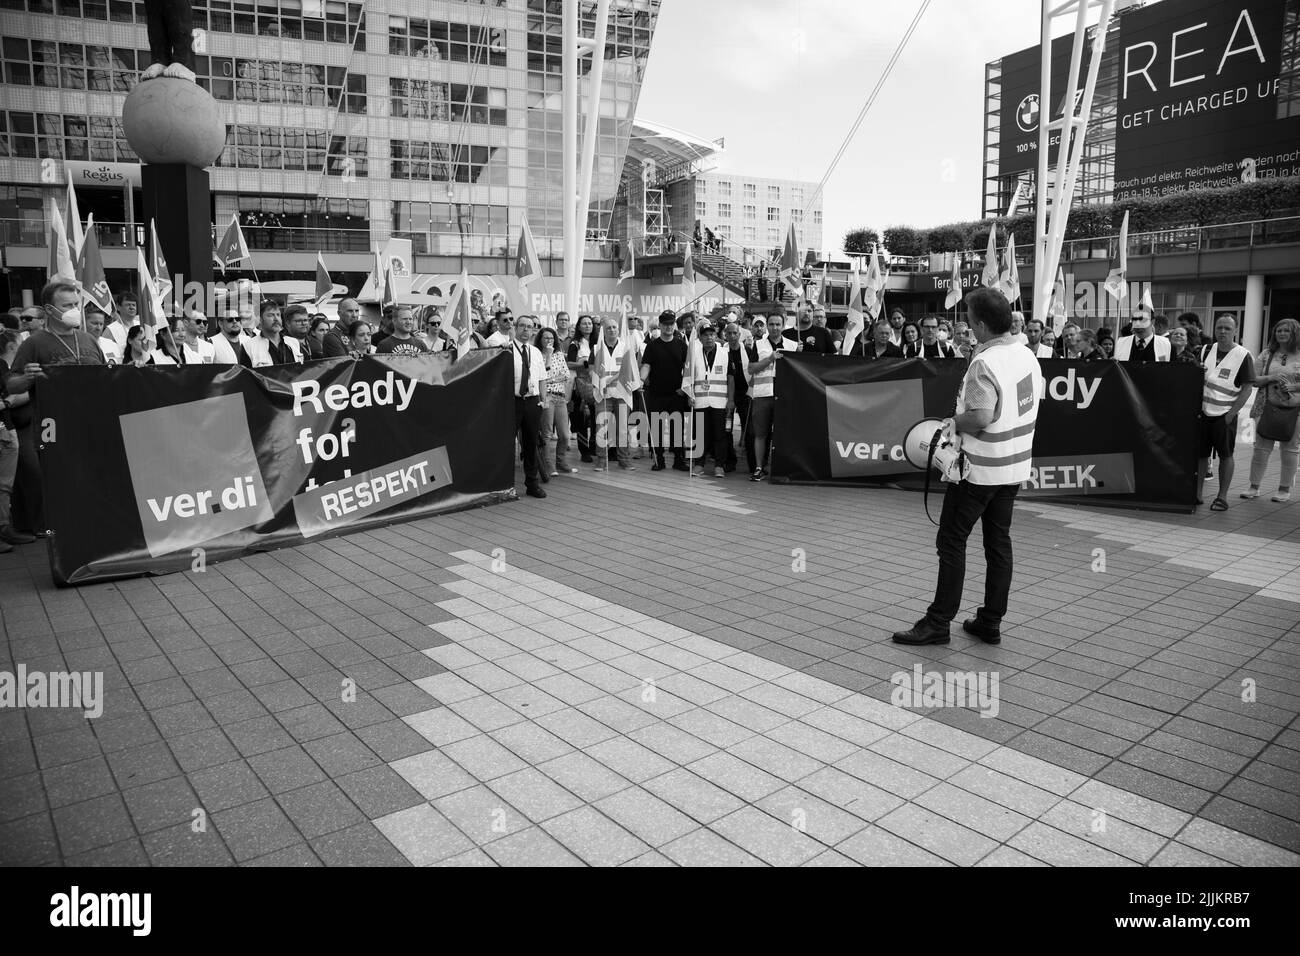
(569,152)
(1252,325)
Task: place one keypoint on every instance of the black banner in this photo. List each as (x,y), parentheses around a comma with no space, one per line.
(1108,432)
(154,470)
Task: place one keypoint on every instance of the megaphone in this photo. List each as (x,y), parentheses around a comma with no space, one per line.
(933,443)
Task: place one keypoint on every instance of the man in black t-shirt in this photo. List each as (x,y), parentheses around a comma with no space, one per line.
(403,341)
(662,364)
(811,338)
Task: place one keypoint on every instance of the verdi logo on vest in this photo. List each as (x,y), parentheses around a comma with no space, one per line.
(187,499)
(867,424)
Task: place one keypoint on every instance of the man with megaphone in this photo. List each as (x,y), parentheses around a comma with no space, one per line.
(997,408)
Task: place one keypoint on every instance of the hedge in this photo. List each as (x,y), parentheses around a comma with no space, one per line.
(1268,199)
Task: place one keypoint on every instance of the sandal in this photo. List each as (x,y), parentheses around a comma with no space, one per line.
(1218,504)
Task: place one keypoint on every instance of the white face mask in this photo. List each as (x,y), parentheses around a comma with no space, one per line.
(71,319)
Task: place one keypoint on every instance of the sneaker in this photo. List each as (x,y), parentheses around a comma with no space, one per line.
(719,473)
(570,471)
(1282,496)
(757,475)
(5,547)
(599,468)
(554,473)
(1252,493)
(10,536)
(626,466)
(698,471)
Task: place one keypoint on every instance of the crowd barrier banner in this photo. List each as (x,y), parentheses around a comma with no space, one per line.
(148,471)
(1108,432)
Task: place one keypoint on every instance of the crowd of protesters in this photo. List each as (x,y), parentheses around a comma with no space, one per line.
(569,389)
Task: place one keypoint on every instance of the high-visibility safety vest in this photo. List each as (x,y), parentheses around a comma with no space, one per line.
(1221,388)
(709,382)
(1002,453)
(258,350)
(1124,346)
(764,382)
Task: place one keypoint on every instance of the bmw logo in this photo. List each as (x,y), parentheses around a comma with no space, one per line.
(1027,113)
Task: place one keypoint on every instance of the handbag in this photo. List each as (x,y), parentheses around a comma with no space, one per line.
(1278,396)
(1277,423)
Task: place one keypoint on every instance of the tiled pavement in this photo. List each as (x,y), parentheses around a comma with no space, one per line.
(649,669)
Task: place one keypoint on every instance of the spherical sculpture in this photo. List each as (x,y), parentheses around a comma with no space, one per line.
(170,120)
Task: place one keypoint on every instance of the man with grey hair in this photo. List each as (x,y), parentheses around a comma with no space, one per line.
(336,339)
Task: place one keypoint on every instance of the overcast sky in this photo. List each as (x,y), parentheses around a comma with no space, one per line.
(783,80)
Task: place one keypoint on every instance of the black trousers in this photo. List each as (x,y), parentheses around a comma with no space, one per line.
(963,505)
(668,403)
(27,505)
(582,423)
(528,416)
(170,24)
(743,405)
(709,435)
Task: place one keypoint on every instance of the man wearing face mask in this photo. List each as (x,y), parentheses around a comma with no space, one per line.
(62,342)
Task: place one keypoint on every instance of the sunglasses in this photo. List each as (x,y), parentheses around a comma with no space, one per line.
(434,325)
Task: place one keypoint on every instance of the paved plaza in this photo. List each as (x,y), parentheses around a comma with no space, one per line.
(650,669)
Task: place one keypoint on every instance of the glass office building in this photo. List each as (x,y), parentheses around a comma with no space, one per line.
(347,122)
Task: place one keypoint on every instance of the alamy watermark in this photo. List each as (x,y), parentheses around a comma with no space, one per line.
(966,689)
(626,428)
(83,690)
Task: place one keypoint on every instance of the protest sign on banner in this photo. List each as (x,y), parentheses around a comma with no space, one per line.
(1108,432)
(161,469)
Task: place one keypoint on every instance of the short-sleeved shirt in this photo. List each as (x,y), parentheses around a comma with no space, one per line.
(980,389)
(395,346)
(45,348)
(666,361)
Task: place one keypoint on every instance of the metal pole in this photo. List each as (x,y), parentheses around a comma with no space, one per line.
(1040,183)
(591,128)
(569,142)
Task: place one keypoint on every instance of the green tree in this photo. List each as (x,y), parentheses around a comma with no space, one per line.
(859,241)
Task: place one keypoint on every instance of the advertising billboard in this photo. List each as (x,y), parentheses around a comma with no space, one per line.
(1208,95)
(1020,109)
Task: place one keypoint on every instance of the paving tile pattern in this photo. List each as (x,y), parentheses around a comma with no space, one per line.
(707,685)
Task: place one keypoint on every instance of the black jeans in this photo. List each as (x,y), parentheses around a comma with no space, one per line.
(963,505)
(170,25)
(28,502)
(528,416)
(743,406)
(668,403)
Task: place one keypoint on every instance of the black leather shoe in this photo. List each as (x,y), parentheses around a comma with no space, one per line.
(657,466)
(922,632)
(545,477)
(536,492)
(680,466)
(976,628)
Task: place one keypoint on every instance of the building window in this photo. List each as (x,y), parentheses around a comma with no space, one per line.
(439,40)
(439,162)
(797,215)
(773,213)
(796,195)
(748,234)
(773,235)
(724,210)
(817,217)
(449,102)
(701,209)
(255,147)
(773,193)
(751,191)
(751,212)
(724,189)
(273,81)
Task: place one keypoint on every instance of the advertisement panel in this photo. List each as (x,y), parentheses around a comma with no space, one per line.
(1207,96)
(1020,108)
(147,471)
(1107,432)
